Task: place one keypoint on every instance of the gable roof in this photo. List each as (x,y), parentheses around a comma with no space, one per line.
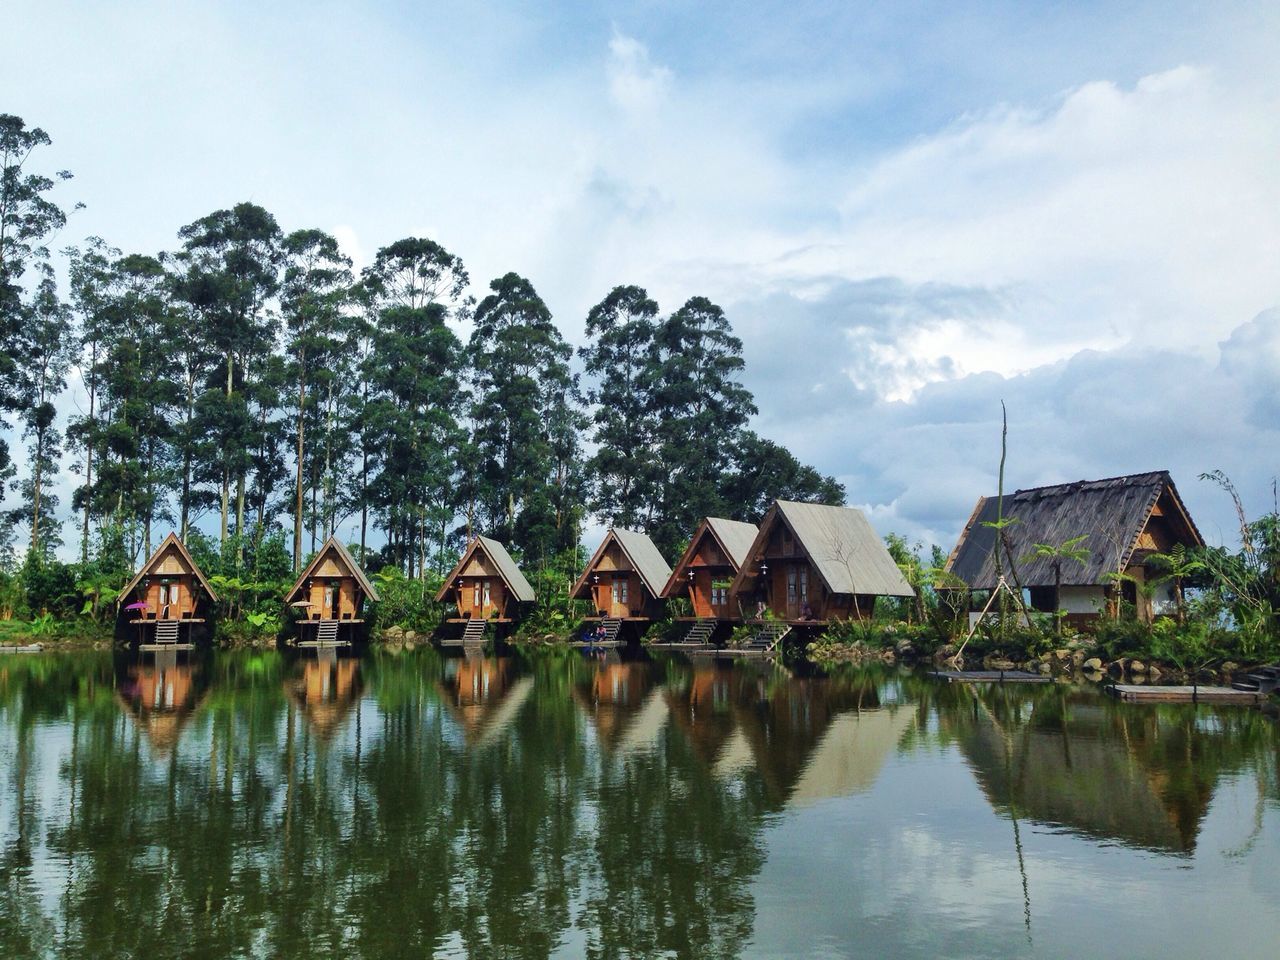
(848,554)
(733,536)
(334,544)
(507,569)
(1112,513)
(171,539)
(644,556)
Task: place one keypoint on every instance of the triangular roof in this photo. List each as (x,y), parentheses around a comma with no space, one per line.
(1112,513)
(334,544)
(847,553)
(507,569)
(734,537)
(170,540)
(640,550)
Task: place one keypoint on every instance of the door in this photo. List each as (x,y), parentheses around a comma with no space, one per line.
(330,611)
(619,605)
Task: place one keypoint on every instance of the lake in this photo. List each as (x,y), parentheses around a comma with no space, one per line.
(264,804)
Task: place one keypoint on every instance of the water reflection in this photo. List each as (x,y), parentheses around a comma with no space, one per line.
(261,805)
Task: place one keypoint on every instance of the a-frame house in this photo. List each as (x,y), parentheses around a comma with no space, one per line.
(486,585)
(331,595)
(168,593)
(623,581)
(812,563)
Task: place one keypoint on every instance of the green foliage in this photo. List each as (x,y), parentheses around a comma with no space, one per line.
(406,603)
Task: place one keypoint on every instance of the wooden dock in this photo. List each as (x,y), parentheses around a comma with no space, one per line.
(22,648)
(1137,693)
(990,676)
(680,645)
(597,644)
(161,647)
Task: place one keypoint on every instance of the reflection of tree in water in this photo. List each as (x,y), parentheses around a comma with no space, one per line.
(391,824)
(1144,777)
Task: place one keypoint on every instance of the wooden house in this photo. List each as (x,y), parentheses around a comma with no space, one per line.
(168,592)
(486,584)
(811,564)
(1124,520)
(708,565)
(331,593)
(624,579)
(327,690)
(161,695)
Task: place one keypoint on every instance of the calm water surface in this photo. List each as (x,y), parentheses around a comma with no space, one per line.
(266,805)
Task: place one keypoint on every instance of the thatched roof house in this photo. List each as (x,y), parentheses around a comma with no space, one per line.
(814,562)
(1123,519)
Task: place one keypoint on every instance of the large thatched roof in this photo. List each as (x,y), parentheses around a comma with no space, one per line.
(1111,513)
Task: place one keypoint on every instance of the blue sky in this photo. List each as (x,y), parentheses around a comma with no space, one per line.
(911,211)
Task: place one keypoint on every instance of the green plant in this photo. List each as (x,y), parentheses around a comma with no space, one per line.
(1056,554)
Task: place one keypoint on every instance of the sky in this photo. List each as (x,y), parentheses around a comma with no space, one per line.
(910,212)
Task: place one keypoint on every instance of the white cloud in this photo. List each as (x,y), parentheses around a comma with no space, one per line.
(636,83)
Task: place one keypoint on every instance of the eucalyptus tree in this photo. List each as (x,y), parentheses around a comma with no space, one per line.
(522,405)
(236,255)
(28,218)
(314,295)
(764,471)
(46,349)
(619,362)
(699,409)
(414,287)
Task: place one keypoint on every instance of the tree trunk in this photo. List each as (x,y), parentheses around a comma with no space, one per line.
(1057,597)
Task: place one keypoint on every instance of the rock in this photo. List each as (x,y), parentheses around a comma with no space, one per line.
(410,645)
(1154,673)
(393,633)
(1077,656)
(1137,667)
(904,648)
(994,662)
(1229,667)
(1116,668)
(1046,668)
(1092,665)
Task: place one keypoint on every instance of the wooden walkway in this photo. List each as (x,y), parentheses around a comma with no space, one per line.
(22,648)
(680,645)
(1135,693)
(990,676)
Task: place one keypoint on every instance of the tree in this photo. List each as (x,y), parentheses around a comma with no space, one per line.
(1057,554)
(27,219)
(523,419)
(235,258)
(413,287)
(46,349)
(699,408)
(620,362)
(764,471)
(316,288)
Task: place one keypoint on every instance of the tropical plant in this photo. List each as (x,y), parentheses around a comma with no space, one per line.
(1057,554)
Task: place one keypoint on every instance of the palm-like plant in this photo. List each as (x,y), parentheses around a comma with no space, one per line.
(1176,565)
(1057,554)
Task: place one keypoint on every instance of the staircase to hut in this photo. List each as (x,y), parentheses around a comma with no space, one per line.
(768,637)
(1262,680)
(327,632)
(473,632)
(612,627)
(167,631)
(700,632)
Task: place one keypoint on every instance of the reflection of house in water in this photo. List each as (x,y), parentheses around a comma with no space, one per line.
(806,738)
(484,695)
(326,691)
(161,694)
(626,709)
(1094,768)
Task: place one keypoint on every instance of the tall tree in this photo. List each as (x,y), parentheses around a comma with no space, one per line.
(619,362)
(316,288)
(523,395)
(415,286)
(46,350)
(236,256)
(699,407)
(27,219)
(764,471)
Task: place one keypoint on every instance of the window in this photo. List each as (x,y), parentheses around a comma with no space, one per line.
(719,596)
(475,594)
(804,583)
(791,584)
(486,593)
(620,590)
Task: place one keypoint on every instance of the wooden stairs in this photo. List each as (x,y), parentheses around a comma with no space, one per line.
(327,632)
(1261,680)
(166,631)
(473,632)
(612,628)
(700,632)
(767,638)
